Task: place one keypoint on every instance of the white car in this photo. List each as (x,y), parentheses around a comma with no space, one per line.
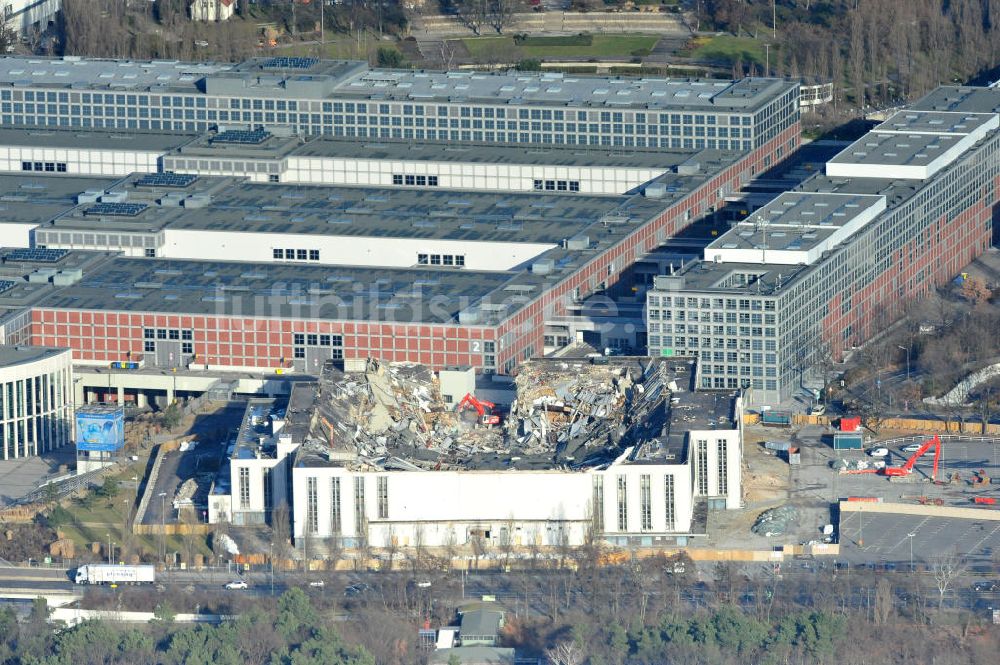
(317,583)
(237,584)
(911,448)
(879,452)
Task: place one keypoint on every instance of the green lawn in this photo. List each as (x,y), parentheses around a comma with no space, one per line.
(728,48)
(560,47)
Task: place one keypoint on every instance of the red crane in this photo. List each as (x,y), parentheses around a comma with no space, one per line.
(907,468)
(483,407)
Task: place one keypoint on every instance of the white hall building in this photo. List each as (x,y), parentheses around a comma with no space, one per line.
(654,491)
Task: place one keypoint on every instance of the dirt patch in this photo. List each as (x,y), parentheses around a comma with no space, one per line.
(765,477)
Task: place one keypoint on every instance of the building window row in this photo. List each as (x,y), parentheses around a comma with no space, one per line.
(415,180)
(701,467)
(557,185)
(295,254)
(50,167)
(457,260)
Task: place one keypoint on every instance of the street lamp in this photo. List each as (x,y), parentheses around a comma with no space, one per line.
(907,349)
(910,536)
(109,548)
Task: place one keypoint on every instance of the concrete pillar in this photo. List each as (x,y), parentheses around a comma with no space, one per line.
(79,393)
(121,395)
(170,396)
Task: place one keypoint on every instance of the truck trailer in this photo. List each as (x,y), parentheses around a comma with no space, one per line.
(103,573)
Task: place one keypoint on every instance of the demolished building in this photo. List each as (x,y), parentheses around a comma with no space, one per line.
(624,451)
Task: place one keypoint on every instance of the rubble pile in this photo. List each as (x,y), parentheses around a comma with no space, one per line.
(569,413)
(576,405)
(392,416)
(774,522)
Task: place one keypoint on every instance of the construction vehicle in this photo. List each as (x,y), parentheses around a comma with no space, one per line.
(979,478)
(907,468)
(483,407)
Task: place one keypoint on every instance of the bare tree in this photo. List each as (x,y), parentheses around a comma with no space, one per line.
(480,544)
(501,14)
(566,653)
(945,570)
(506,541)
(280,530)
(474,13)
(883,602)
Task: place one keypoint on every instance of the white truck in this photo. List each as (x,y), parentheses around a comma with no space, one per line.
(103,573)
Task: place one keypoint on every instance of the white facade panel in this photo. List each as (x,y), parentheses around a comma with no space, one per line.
(84,162)
(439,508)
(345,250)
(14,234)
(489,177)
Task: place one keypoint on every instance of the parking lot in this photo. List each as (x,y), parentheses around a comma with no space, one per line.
(882,537)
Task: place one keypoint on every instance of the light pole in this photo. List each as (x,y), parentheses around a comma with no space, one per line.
(910,536)
(270,560)
(109,548)
(861,528)
(907,349)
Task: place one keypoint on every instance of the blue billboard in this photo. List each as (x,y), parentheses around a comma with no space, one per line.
(100,429)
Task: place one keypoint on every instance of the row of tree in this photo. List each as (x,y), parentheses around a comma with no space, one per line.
(294,633)
(879,51)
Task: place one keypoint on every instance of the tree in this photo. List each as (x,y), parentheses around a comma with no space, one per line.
(474,13)
(501,13)
(976,291)
(164,613)
(565,653)
(883,602)
(945,570)
(387,56)
(171,416)
(109,489)
(280,530)
(453,659)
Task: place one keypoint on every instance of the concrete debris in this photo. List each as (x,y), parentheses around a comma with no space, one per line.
(856,465)
(564,413)
(775,522)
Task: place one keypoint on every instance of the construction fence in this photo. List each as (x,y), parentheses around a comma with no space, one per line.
(936,425)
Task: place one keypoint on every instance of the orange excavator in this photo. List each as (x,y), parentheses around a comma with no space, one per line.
(483,407)
(907,468)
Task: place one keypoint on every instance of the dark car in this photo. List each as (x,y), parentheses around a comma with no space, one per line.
(356,590)
(986,586)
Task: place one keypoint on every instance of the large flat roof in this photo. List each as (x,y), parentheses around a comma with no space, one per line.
(915,121)
(279,290)
(234,205)
(81,74)
(555,89)
(19,355)
(549,155)
(93,139)
(322,79)
(896,149)
(964,99)
(796,227)
(32,198)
